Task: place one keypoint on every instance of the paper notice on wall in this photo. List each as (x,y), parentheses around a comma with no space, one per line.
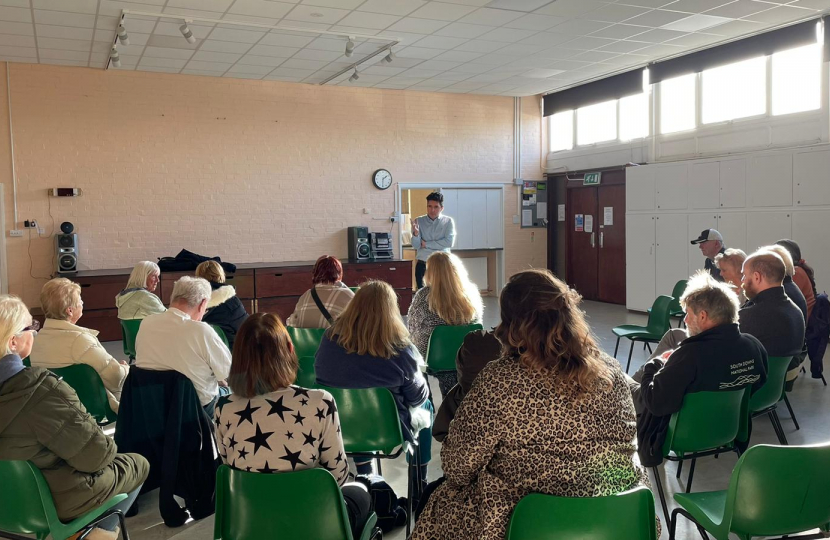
(608,215)
(527,218)
(560,212)
(579,222)
(541,210)
(589,223)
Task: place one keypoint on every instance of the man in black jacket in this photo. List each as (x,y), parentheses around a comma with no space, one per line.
(716,356)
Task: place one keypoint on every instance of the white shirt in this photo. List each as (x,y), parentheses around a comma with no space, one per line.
(173,341)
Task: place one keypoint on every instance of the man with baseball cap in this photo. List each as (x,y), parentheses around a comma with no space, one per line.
(710,242)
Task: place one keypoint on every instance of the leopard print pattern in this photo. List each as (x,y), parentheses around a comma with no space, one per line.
(519,432)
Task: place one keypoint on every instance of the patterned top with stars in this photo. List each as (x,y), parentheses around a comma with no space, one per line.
(288,430)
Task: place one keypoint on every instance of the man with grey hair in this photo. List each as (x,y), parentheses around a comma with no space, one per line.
(715,356)
(729,263)
(177,340)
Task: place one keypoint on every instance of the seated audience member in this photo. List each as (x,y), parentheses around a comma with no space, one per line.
(42,421)
(730,263)
(224,309)
(137,300)
(715,356)
(478,349)
(770,315)
(177,340)
(790,288)
(448,298)
(804,277)
(545,417)
(332,296)
(62,343)
(368,347)
(265,402)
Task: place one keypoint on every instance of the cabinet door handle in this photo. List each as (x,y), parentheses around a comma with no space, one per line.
(392,268)
(600,239)
(592,241)
(277,275)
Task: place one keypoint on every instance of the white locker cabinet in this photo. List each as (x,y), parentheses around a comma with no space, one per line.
(640,261)
(765,228)
(639,188)
(704,186)
(495,227)
(733,183)
(672,254)
(811,229)
(769,181)
(671,183)
(732,227)
(697,223)
(478,215)
(476,199)
(810,175)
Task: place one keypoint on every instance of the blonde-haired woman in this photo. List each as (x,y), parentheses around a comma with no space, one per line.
(137,301)
(553,415)
(224,309)
(43,422)
(368,347)
(62,343)
(448,298)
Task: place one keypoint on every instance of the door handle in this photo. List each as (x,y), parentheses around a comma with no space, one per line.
(600,239)
(592,241)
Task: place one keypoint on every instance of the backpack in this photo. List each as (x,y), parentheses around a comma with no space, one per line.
(818,334)
(390,509)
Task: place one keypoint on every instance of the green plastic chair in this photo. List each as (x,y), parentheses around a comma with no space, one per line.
(707,424)
(90,389)
(129,331)
(675,309)
(765,399)
(306,340)
(221,334)
(306,376)
(354,289)
(27,507)
(773,490)
(444,343)
(658,324)
(623,516)
(301,504)
(371,428)
(27,362)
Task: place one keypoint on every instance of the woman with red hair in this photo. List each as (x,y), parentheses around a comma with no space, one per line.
(326,300)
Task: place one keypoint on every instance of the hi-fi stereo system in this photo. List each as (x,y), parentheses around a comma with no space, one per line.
(66,246)
(366,246)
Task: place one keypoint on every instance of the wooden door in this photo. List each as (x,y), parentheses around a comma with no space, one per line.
(611,243)
(583,245)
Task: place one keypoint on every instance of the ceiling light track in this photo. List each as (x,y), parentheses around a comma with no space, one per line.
(353,67)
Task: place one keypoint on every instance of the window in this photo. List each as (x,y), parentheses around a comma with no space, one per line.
(596,123)
(634,117)
(734,91)
(796,80)
(677,104)
(561,131)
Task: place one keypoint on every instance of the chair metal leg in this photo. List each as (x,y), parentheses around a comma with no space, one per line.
(409,493)
(617,347)
(824,380)
(691,476)
(123,523)
(776,425)
(648,345)
(673,523)
(630,352)
(662,495)
(792,413)
(679,468)
(380,469)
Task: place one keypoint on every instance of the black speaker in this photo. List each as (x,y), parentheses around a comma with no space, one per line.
(359,249)
(67,253)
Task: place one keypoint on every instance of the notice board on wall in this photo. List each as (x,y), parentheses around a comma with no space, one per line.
(534,198)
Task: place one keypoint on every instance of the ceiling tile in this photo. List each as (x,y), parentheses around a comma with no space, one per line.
(237,36)
(220,6)
(623,60)
(311,54)
(162,62)
(620,31)
(570,8)
(444,12)
(535,21)
(696,23)
(369,20)
(595,56)
(17,41)
(440,42)
(494,59)
(736,28)
(268,50)
(522,49)
(342,4)
(659,35)
(463,30)
(247,68)
(455,75)
(303,64)
(292,72)
(558,53)
(439,64)
(159,52)
(405,38)
(130,23)
(738,9)
(624,46)
(59,54)
(418,52)
(696,40)
(236,17)
(172,42)
(547,39)
(74,6)
(417,26)
(781,14)
(281,39)
(614,13)
(647,3)
(224,46)
(254,60)
(660,50)
(542,73)
(64,32)
(518,5)
(260,8)
(15,14)
(353,30)
(491,17)
(172,30)
(209,56)
(579,27)
(657,18)
(507,35)
(391,7)
(458,56)
(200,72)
(697,6)
(17,28)
(477,45)
(422,73)
(381,70)
(316,14)
(16,3)
(28,52)
(327,44)
(63,44)
(254,76)
(209,66)
(587,43)
(813,4)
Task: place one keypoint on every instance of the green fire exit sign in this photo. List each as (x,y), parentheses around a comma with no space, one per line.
(591,179)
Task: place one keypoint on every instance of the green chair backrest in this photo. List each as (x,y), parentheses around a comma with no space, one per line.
(706,420)
(306,340)
(777,490)
(354,289)
(129,331)
(306,376)
(676,293)
(90,389)
(27,507)
(369,419)
(444,343)
(27,362)
(221,334)
(301,504)
(659,321)
(770,394)
(616,517)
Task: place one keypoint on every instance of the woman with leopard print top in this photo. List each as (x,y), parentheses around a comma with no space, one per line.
(553,415)
(449,298)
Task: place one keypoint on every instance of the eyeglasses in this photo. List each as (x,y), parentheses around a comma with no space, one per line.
(34,327)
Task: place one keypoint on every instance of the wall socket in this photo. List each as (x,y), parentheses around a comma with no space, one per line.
(15,232)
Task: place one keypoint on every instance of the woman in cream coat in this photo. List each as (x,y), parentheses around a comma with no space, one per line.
(62,343)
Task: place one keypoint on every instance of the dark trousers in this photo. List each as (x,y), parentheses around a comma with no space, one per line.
(358,506)
(420,270)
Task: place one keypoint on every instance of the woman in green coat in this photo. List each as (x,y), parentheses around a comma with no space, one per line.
(42,421)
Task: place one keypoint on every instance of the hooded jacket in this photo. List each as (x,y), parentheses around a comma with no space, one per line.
(137,304)
(225,310)
(42,421)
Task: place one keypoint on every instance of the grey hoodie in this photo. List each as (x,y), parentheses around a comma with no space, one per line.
(138,303)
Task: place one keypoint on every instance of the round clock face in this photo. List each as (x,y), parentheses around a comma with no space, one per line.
(382,179)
